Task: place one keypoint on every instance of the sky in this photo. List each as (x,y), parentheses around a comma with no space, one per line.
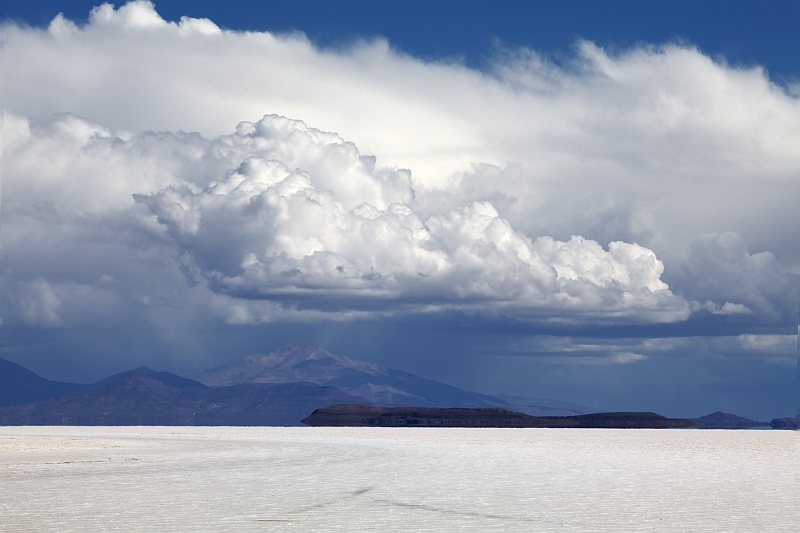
(588,202)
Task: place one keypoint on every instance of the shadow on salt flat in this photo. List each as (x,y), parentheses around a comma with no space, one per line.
(442,510)
(396,503)
(322,505)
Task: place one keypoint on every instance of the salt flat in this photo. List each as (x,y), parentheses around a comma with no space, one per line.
(386,479)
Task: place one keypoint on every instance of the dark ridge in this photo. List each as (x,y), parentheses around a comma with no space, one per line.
(785,423)
(143,397)
(366,415)
(722,420)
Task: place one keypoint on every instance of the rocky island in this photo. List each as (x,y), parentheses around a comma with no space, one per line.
(372,416)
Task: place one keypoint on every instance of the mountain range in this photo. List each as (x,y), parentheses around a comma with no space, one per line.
(277,388)
(274,389)
(146,397)
(376,384)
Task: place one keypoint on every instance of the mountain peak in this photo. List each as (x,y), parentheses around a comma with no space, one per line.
(142,370)
(313,364)
(294,353)
(166,378)
(297,362)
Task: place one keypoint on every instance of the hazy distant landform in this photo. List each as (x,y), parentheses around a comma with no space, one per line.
(284,388)
(278,388)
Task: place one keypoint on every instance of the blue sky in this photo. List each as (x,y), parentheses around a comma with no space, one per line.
(593,202)
(742,32)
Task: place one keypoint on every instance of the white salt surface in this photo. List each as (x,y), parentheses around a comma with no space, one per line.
(375,479)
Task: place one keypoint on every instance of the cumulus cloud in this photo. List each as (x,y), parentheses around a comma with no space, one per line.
(280,219)
(306,219)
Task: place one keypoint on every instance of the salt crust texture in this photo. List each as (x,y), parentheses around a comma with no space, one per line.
(386,479)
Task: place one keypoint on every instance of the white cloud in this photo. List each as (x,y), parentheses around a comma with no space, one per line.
(729,308)
(783,344)
(582,351)
(624,358)
(776,349)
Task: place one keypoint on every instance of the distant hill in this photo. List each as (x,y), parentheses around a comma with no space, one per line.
(19,385)
(167,378)
(785,423)
(722,420)
(146,397)
(373,416)
(377,384)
